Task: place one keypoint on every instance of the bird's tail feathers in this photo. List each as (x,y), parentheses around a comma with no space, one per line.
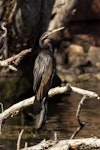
(36,107)
(41,116)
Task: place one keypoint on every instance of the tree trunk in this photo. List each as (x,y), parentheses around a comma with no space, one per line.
(26,21)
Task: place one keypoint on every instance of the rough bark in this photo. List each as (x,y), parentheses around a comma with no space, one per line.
(61,15)
(26,20)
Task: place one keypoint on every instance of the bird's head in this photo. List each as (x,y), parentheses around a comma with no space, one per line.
(45,38)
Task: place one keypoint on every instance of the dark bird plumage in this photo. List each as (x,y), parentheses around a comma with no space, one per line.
(43,73)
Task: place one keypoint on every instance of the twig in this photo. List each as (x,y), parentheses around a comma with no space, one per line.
(55,137)
(12,12)
(84,92)
(12,68)
(2,109)
(79,108)
(26,145)
(81,124)
(6,62)
(19,139)
(22,53)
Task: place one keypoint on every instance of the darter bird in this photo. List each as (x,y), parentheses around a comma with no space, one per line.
(43,73)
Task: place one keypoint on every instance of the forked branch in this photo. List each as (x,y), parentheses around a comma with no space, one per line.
(57,90)
(81,124)
(16,58)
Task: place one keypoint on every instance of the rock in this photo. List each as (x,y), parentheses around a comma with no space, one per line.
(97,75)
(76,55)
(84,77)
(12,86)
(65,75)
(94,55)
(87,10)
(97,64)
(85,40)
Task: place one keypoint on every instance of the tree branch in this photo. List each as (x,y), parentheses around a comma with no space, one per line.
(81,124)
(57,90)
(19,139)
(88,143)
(6,62)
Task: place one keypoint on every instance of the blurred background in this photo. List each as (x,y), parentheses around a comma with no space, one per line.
(77,56)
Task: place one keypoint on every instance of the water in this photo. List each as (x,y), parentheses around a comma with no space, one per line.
(61,119)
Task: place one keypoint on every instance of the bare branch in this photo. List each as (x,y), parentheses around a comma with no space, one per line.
(6,62)
(19,139)
(88,143)
(2,109)
(81,124)
(55,137)
(58,90)
(85,92)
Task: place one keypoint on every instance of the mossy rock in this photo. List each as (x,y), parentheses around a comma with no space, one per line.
(13,85)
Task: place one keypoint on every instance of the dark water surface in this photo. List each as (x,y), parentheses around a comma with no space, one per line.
(61,118)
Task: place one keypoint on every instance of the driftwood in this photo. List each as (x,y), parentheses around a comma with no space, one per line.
(81,124)
(91,143)
(15,59)
(58,90)
(75,144)
(7,61)
(19,139)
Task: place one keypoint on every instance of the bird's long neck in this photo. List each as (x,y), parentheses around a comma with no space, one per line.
(46,45)
(49,47)
(4,29)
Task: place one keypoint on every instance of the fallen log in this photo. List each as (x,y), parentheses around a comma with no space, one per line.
(74,144)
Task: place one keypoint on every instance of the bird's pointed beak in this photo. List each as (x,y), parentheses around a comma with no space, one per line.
(55,30)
